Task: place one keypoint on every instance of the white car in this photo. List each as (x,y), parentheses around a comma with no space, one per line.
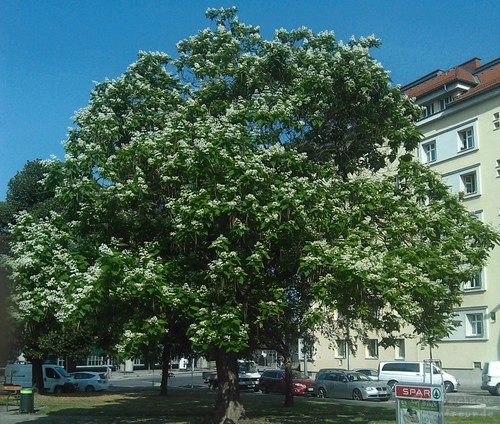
(490,379)
(371,373)
(89,381)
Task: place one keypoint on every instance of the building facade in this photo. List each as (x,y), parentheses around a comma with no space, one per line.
(461,141)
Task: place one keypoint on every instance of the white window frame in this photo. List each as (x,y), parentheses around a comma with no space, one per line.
(475,284)
(428,110)
(474,325)
(467,328)
(430,151)
(466,139)
(445,101)
(469,183)
(371,350)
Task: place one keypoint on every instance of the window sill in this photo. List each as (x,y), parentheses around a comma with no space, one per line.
(474,290)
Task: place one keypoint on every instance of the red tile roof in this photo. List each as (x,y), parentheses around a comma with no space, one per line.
(489,78)
(478,78)
(454,74)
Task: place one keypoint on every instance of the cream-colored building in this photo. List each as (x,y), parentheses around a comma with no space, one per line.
(461,140)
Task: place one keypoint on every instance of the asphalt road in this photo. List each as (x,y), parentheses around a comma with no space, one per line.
(466,402)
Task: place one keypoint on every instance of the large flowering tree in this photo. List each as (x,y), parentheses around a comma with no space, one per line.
(218,193)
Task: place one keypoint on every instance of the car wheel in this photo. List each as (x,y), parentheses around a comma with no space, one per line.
(58,390)
(89,389)
(496,390)
(265,390)
(321,392)
(448,386)
(392,384)
(356,395)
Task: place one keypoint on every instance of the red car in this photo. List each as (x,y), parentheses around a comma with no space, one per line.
(273,381)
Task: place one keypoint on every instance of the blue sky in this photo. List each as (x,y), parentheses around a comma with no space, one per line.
(52,51)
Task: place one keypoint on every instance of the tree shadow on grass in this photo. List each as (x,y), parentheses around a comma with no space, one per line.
(191,406)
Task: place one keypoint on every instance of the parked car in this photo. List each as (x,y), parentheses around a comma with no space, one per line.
(416,372)
(55,378)
(273,381)
(89,381)
(350,385)
(371,373)
(325,370)
(248,376)
(490,379)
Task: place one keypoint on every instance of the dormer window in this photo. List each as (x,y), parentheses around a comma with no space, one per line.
(443,103)
(428,110)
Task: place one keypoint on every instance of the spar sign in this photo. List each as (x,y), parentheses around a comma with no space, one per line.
(421,404)
(419,392)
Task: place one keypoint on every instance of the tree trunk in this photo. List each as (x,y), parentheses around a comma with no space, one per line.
(70,364)
(37,374)
(288,380)
(228,406)
(165,369)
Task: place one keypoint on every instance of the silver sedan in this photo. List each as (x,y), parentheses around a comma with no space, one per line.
(350,385)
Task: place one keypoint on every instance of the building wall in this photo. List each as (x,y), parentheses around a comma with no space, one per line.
(463,351)
(484,159)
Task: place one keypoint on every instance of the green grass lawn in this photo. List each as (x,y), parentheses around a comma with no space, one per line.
(190,407)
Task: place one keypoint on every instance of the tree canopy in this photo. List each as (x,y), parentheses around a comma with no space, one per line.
(215,194)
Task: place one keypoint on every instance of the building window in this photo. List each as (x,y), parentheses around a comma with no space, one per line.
(466,139)
(469,183)
(372,348)
(474,325)
(471,324)
(428,110)
(478,215)
(341,349)
(476,283)
(430,151)
(400,349)
(496,120)
(443,103)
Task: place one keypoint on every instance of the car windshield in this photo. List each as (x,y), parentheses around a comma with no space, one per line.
(357,376)
(247,367)
(298,374)
(62,371)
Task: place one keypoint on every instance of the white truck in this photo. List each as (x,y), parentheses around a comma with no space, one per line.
(55,378)
(248,377)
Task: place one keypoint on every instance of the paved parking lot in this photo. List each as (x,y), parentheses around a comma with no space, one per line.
(469,401)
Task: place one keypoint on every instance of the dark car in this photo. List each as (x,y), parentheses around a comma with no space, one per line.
(350,385)
(273,381)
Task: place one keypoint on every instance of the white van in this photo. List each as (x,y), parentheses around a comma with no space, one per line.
(490,379)
(415,372)
(55,378)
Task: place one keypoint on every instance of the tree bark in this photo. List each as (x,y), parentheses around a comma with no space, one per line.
(70,364)
(37,374)
(289,401)
(228,407)
(165,369)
